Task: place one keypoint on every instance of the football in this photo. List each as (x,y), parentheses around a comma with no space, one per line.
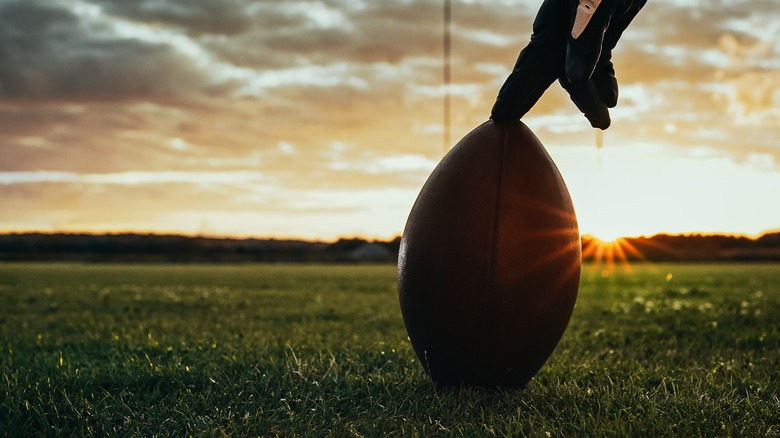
(490,259)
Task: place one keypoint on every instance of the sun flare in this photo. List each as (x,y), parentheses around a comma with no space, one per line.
(607,254)
(606,237)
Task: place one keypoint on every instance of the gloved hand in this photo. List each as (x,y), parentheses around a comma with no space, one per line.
(572,41)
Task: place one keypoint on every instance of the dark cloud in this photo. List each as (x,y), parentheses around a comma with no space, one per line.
(380,32)
(195,17)
(51,53)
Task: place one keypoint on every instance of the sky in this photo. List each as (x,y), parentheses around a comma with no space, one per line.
(322,119)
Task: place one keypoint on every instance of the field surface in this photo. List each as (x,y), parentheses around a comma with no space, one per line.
(282,350)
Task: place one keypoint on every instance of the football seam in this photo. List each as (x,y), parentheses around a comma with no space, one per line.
(493,242)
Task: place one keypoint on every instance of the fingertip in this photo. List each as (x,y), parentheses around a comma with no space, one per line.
(599,120)
(604,123)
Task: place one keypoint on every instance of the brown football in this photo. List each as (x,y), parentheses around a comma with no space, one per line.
(490,260)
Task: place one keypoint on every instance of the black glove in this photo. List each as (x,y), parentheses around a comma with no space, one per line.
(583,65)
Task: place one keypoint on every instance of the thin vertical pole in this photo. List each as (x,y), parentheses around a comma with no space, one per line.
(447,66)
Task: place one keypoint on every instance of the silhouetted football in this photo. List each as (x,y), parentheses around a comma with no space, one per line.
(490,260)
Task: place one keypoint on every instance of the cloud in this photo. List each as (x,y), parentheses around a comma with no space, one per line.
(195,17)
(329,96)
(52,53)
(180,203)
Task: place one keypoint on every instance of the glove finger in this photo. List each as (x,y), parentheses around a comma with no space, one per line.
(587,100)
(581,60)
(606,84)
(584,50)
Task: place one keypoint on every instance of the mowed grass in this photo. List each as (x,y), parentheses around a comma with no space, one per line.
(683,350)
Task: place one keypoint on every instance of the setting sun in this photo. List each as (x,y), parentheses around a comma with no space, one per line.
(606,236)
(606,255)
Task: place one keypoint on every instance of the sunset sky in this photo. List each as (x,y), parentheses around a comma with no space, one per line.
(321,119)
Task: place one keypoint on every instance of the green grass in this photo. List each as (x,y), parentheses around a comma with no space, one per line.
(321,350)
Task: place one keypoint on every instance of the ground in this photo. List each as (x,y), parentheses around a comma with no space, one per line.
(90,349)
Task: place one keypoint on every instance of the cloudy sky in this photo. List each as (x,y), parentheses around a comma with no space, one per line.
(321,119)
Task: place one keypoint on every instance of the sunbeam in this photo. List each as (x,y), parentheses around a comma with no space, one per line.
(605,255)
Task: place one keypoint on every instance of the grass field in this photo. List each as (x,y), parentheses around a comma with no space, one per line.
(683,350)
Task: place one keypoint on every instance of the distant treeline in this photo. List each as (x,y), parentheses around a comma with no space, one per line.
(173,248)
(693,247)
(185,249)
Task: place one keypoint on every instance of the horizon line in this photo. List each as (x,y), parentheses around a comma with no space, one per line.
(374,238)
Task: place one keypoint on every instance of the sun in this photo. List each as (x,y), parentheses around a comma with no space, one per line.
(607,253)
(607,236)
